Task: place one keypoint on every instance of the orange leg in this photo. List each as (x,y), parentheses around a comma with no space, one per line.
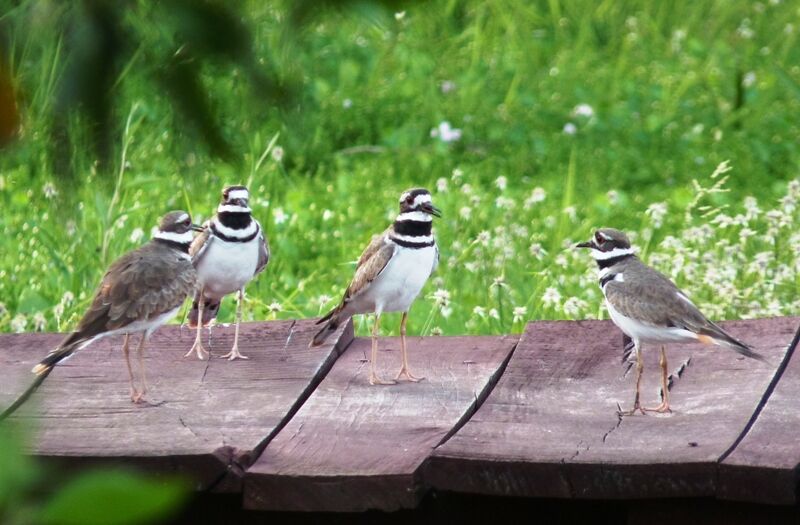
(373,377)
(664,406)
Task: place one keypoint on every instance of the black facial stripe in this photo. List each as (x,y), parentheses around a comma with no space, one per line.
(235,220)
(175,245)
(228,238)
(614,260)
(408,244)
(413,228)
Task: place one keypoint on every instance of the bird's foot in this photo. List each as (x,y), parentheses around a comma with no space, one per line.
(406,375)
(375,380)
(663,408)
(197,347)
(234,354)
(137,397)
(632,411)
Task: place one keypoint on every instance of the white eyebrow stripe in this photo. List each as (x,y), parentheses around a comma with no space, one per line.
(183,217)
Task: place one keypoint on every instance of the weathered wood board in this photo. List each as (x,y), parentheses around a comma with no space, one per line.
(550,427)
(353,447)
(205,418)
(765,466)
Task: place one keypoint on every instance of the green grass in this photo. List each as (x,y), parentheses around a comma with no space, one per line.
(675,89)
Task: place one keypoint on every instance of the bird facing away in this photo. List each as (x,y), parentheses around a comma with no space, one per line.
(649,308)
(228,254)
(390,274)
(141,291)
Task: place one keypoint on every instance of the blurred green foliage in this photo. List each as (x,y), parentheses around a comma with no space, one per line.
(32,493)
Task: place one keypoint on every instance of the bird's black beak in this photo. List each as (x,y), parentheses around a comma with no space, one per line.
(430,209)
(587,244)
(197,227)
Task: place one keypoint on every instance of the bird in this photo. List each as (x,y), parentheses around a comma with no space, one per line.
(390,275)
(230,251)
(649,308)
(139,292)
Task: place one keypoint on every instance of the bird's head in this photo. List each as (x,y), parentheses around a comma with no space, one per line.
(418,199)
(236,197)
(607,243)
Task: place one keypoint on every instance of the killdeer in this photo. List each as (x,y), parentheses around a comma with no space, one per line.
(141,291)
(649,308)
(390,274)
(228,254)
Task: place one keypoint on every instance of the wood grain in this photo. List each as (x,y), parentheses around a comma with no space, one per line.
(207,419)
(764,466)
(353,447)
(550,427)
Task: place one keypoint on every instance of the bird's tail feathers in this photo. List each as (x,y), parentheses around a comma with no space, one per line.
(332,321)
(722,338)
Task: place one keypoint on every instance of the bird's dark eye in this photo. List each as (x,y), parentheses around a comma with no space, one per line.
(599,238)
(409,199)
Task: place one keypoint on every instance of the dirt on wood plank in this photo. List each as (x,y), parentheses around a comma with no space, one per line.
(550,426)
(354,447)
(203,418)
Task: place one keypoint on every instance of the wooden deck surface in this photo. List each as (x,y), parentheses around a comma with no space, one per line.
(550,427)
(205,418)
(354,447)
(296,428)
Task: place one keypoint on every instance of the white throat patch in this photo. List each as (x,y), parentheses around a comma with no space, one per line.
(419,216)
(183,238)
(616,252)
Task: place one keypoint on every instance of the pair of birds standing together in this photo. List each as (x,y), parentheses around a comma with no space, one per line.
(146,287)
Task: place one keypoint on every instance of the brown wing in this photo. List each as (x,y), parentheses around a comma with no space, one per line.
(142,284)
(369,268)
(650,296)
(263,250)
(374,245)
(200,244)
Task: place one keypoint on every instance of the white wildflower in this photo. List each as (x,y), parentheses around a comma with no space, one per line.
(480,311)
(347,103)
(399,15)
(39,322)
(49,190)
(570,128)
(494,314)
(136,235)
(448,86)
(324,299)
(446,133)
(277,153)
(441,185)
(501,182)
(327,215)
(573,306)
(583,110)
(749,79)
(275,307)
(441,298)
(551,298)
(506,203)
(18,323)
(279,215)
(657,211)
(520,314)
(465,212)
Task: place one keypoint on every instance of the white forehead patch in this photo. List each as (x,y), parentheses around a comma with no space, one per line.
(422,198)
(238,194)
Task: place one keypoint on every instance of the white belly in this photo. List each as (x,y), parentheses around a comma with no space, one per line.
(400,282)
(227,267)
(647,333)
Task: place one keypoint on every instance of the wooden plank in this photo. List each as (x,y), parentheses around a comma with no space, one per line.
(207,419)
(353,447)
(764,465)
(550,427)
